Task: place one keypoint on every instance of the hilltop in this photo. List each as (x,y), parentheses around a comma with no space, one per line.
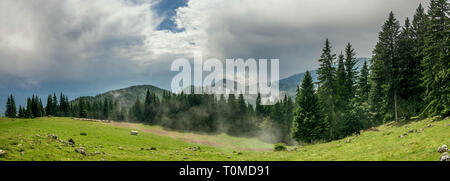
(125,97)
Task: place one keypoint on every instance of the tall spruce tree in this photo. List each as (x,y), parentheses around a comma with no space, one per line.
(288,109)
(8,107)
(436,66)
(63,104)
(55,106)
(341,95)
(29,112)
(106,107)
(259,107)
(409,88)
(41,110)
(136,110)
(11,110)
(82,109)
(22,113)
(13,107)
(326,74)
(308,124)
(49,106)
(350,72)
(150,107)
(385,71)
(363,84)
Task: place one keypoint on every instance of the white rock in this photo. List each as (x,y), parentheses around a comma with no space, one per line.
(443,149)
(134,132)
(444,157)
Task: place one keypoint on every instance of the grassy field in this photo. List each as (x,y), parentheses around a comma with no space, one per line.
(27,139)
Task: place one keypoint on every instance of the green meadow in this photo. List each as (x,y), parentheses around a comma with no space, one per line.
(29,140)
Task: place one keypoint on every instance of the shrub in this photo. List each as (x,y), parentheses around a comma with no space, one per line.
(279,147)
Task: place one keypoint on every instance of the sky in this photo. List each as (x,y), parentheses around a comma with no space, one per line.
(83,47)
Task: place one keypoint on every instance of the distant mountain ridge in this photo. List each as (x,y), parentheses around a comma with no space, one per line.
(127,96)
(289,85)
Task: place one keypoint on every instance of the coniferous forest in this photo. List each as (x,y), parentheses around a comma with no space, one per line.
(407,78)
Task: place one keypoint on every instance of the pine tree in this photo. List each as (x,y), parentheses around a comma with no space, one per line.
(136,110)
(242,106)
(11,110)
(29,112)
(259,107)
(385,71)
(82,108)
(363,84)
(106,106)
(340,83)
(34,106)
(308,123)
(341,95)
(49,106)
(8,107)
(63,104)
(277,113)
(22,113)
(150,107)
(409,88)
(350,72)
(436,73)
(42,108)
(230,114)
(13,107)
(326,74)
(55,106)
(288,109)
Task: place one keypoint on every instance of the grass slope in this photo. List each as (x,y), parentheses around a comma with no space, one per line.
(26,139)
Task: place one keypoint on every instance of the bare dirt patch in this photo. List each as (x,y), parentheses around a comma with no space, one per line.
(187,137)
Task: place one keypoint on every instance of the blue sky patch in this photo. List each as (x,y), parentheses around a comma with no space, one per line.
(168,8)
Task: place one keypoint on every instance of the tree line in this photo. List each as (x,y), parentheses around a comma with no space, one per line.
(35,108)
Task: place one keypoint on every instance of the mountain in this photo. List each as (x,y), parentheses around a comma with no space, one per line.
(289,85)
(125,96)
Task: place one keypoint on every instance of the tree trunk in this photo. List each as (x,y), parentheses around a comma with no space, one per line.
(395,106)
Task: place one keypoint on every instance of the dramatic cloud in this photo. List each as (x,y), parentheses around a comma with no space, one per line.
(118,43)
(71,40)
(292,30)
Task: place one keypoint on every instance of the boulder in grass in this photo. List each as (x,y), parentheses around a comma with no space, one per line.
(443,149)
(53,136)
(83,152)
(2,153)
(134,132)
(444,157)
(71,142)
(412,131)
